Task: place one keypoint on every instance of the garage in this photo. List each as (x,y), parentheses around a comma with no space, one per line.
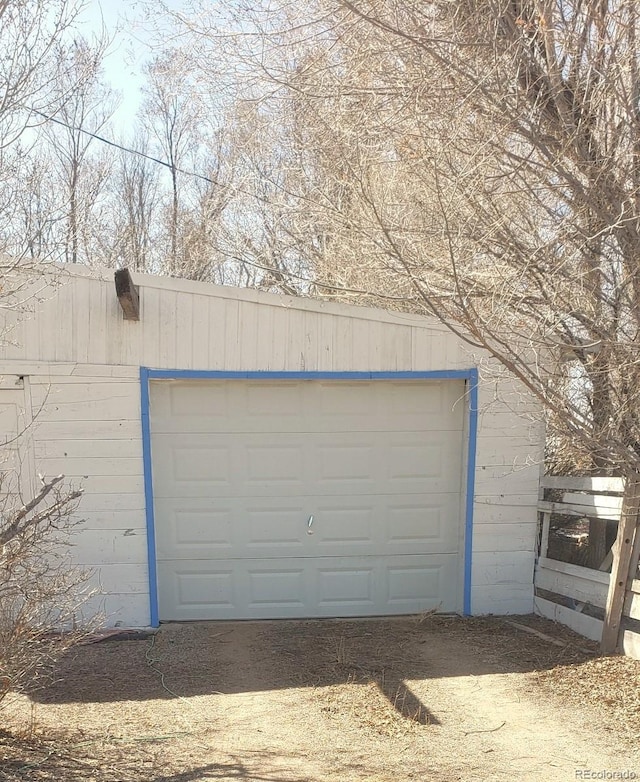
(248,455)
(304,498)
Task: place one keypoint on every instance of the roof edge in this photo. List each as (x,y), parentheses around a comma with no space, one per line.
(251,295)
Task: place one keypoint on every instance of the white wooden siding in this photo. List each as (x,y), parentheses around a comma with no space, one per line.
(82,362)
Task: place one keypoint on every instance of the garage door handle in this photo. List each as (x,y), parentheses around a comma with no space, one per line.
(309,523)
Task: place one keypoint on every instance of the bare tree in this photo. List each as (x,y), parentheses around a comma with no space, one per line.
(478,158)
(31,33)
(135,202)
(256,239)
(79,162)
(36,213)
(172,116)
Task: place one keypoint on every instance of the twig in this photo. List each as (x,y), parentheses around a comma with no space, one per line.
(134,739)
(544,636)
(217,635)
(7,534)
(537,633)
(151,662)
(491,730)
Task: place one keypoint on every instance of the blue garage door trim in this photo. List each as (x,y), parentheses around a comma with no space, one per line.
(146,374)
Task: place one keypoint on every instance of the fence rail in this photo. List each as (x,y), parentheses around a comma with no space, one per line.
(588,599)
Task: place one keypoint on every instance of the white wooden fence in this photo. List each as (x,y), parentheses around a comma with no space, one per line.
(577,587)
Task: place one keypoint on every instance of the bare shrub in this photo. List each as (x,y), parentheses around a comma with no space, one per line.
(41,591)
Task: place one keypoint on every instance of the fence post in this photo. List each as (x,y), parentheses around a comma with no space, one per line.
(544,535)
(622,556)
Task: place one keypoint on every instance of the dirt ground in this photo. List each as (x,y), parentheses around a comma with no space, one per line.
(428,698)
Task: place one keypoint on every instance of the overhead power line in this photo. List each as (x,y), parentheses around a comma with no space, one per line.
(131,151)
(121,147)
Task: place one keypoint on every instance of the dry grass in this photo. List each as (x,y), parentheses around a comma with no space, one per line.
(607,686)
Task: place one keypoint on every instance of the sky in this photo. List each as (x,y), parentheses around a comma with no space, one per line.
(124,21)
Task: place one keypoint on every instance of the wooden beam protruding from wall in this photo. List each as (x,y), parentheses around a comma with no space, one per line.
(127,294)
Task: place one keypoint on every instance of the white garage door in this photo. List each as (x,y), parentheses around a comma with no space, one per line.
(307,498)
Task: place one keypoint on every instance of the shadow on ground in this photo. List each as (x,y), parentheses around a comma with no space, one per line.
(26,759)
(209,658)
(224,771)
(235,769)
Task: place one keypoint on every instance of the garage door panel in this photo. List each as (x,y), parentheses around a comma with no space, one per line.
(193,462)
(277,527)
(346,586)
(422,581)
(336,526)
(275,464)
(267,403)
(422,524)
(186,465)
(417,468)
(195,590)
(347,461)
(275,590)
(402,403)
(273,528)
(178,401)
(187,529)
(262,465)
(237,406)
(280,589)
(201,529)
(343,401)
(426,523)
